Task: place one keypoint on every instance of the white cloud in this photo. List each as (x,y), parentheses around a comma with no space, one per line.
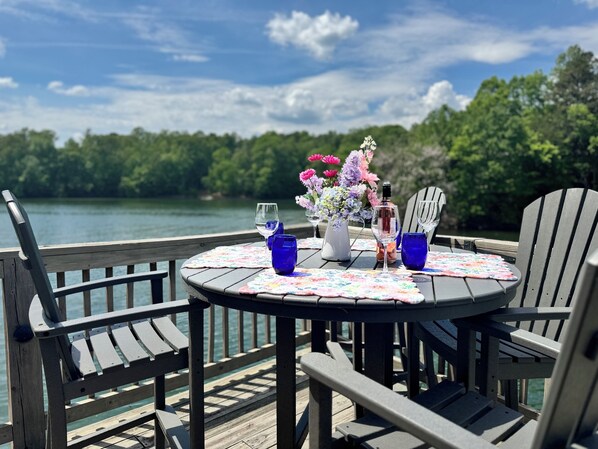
(189,58)
(318,35)
(8,82)
(74,91)
(589,3)
(412,107)
(442,93)
(390,75)
(168,37)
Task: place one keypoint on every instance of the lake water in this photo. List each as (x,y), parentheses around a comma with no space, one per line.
(60,221)
(94,220)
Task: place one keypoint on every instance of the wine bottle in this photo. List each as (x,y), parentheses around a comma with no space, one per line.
(391,248)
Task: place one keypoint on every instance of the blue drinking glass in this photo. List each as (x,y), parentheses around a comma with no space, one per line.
(284,253)
(279,230)
(414,250)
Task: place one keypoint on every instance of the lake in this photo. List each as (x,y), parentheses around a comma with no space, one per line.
(60,221)
(57,221)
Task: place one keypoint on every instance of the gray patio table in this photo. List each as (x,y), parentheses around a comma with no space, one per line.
(445,298)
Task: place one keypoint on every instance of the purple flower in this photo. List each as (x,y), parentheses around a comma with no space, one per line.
(351,173)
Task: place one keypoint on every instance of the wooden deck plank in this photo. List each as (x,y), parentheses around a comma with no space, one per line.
(240,413)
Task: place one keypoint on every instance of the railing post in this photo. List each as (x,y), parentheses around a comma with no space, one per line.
(24,368)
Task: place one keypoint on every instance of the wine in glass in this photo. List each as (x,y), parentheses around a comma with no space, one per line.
(314,218)
(428,215)
(266,220)
(385,227)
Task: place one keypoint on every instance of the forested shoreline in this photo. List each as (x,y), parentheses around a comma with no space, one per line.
(518,139)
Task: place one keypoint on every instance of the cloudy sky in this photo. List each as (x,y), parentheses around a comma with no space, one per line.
(253,66)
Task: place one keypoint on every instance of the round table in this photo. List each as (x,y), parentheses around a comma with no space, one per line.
(445,298)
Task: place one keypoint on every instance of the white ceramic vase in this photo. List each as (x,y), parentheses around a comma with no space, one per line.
(337,246)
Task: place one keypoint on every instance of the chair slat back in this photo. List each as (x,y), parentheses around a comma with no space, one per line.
(410,220)
(558,231)
(570,413)
(33,262)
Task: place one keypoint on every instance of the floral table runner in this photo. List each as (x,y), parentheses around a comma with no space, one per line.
(232,257)
(353,284)
(481,266)
(316,243)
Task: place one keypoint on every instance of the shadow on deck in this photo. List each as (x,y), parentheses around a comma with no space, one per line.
(240,412)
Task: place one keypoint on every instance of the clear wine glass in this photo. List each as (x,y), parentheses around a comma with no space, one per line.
(266,220)
(385,227)
(428,216)
(314,218)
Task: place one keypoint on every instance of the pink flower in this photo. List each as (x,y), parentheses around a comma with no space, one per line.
(330,159)
(330,173)
(315,157)
(370,178)
(305,175)
(373,199)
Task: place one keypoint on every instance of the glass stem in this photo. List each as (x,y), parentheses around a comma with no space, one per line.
(385,269)
(315,226)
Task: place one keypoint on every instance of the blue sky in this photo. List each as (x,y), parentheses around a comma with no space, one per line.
(254,66)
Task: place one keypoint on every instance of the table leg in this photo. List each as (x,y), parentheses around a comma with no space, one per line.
(412,362)
(285,383)
(378,352)
(318,336)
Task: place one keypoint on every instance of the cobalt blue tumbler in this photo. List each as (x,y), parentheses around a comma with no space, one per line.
(284,253)
(414,250)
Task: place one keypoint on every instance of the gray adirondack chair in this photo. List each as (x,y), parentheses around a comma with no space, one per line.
(448,416)
(410,224)
(83,356)
(558,231)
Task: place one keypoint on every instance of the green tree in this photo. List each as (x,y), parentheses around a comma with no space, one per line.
(489,159)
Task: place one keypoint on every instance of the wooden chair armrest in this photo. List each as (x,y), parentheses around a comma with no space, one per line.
(44,328)
(529,314)
(513,334)
(108,282)
(402,412)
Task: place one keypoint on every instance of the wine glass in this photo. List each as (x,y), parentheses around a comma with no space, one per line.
(385,227)
(428,215)
(314,218)
(266,220)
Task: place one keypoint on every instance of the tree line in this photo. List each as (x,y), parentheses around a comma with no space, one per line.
(518,139)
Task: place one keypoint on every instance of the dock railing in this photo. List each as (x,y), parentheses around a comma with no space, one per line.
(233,339)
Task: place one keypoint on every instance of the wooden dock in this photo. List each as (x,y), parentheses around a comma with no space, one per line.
(240,413)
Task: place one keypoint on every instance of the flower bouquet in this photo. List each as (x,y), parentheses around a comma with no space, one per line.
(339,196)
(342,195)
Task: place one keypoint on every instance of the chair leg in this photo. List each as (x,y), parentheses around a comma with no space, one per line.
(489,367)
(320,415)
(510,392)
(56,434)
(429,367)
(523,389)
(358,358)
(441,365)
(196,379)
(159,404)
